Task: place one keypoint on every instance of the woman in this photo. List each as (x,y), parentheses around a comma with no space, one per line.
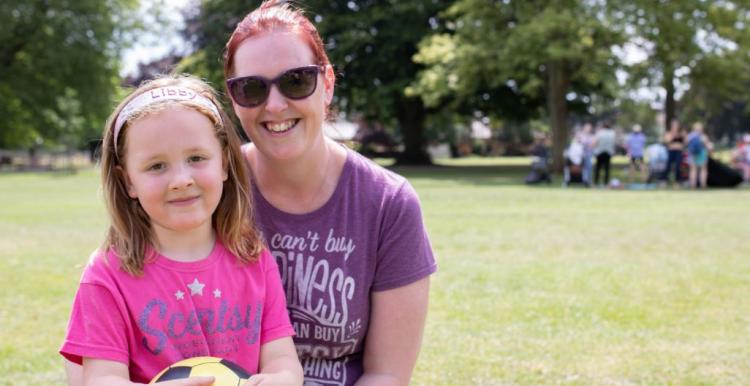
(675,142)
(347,234)
(698,147)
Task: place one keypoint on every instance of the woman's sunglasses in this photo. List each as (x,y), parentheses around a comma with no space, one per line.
(252,91)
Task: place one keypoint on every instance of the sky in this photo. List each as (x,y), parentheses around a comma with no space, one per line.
(150,46)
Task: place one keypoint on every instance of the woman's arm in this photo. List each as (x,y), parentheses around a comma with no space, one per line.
(279,365)
(394,337)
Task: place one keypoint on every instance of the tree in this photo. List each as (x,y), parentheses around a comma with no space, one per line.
(690,43)
(632,112)
(207,29)
(58,68)
(560,51)
(370,43)
(718,95)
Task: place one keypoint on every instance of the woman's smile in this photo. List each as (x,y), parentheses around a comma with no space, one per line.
(280,127)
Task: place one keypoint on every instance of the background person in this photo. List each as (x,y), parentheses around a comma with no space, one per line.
(741,157)
(635,144)
(674,140)
(347,234)
(587,140)
(698,147)
(657,163)
(604,149)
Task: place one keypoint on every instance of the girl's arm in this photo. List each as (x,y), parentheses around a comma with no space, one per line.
(395,334)
(103,372)
(279,365)
(74,373)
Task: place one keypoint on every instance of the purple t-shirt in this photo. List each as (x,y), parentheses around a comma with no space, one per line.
(368,237)
(636,143)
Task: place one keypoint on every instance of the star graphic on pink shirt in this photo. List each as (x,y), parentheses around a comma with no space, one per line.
(196,287)
(217,293)
(179,295)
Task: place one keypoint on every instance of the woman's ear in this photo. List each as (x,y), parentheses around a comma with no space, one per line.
(128,184)
(329,83)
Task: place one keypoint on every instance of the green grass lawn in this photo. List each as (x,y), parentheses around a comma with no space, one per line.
(536,285)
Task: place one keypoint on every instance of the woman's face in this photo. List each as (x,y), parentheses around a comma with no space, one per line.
(282,128)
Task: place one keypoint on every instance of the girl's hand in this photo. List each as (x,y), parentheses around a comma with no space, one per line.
(275,379)
(279,365)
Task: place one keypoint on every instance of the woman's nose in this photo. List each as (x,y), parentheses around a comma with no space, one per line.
(276,102)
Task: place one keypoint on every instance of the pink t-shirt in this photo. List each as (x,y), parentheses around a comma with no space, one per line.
(175,310)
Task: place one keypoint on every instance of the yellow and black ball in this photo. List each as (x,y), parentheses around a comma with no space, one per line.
(225,372)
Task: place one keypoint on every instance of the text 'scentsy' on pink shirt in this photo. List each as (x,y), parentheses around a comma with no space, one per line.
(175,310)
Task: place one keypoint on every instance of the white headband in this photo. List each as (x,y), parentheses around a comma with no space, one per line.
(161,94)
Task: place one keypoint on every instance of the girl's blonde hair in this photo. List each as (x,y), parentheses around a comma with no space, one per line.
(130,232)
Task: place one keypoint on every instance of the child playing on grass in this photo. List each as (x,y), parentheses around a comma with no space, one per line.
(182,271)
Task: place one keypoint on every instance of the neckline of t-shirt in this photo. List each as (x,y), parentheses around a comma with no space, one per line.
(343,180)
(190,266)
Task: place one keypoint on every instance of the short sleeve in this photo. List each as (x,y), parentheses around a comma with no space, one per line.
(404,250)
(96,328)
(275,322)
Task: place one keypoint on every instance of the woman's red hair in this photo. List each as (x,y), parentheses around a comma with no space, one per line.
(274,15)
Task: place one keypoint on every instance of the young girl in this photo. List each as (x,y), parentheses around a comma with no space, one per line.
(182,272)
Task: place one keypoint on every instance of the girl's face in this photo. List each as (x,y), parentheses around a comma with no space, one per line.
(174,167)
(282,128)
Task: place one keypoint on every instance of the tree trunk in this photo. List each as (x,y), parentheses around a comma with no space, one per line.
(411,116)
(669,103)
(558,83)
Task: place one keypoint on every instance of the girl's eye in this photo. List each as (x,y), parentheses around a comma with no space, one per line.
(196,158)
(156,166)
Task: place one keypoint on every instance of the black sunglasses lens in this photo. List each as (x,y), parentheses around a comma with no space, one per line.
(249,91)
(299,83)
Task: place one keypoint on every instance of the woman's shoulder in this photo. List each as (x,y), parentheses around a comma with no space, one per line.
(379,184)
(368,171)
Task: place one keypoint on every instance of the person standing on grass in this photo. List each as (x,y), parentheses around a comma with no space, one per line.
(674,140)
(741,156)
(635,144)
(604,149)
(347,234)
(181,249)
(698,147)
(587,140)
